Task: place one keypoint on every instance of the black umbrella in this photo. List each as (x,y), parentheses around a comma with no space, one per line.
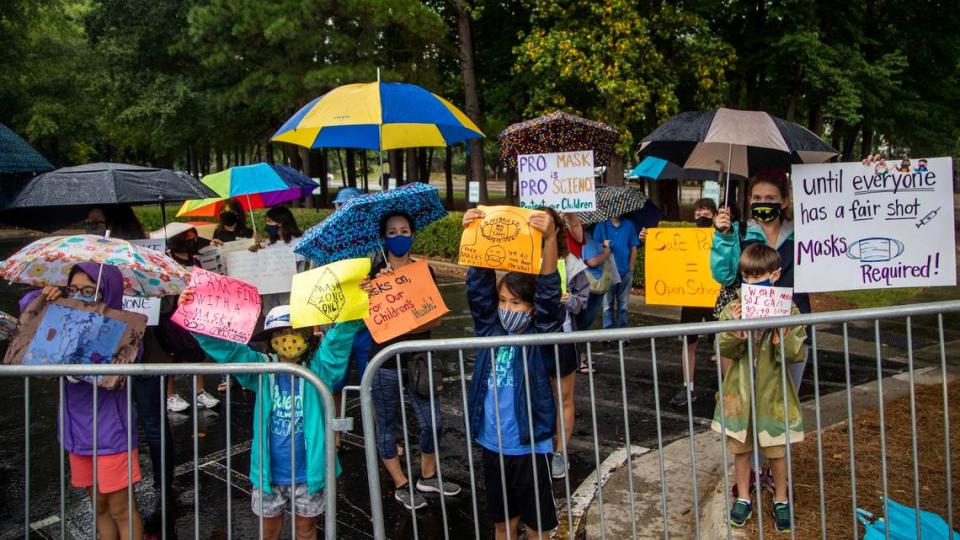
(734,142)
(18,157)
(52,200)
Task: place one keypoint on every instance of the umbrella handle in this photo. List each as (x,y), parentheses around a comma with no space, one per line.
(100,269)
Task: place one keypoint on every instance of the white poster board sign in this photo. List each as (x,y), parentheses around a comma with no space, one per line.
(711,190)
(270,269)
(761,302)
(563,181)
(146,306)
(473,192)
(873,226)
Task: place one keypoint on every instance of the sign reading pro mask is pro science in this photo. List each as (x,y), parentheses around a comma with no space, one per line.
(875,226)
(563,181)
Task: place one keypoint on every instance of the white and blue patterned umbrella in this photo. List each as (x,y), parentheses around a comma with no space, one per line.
(354,229)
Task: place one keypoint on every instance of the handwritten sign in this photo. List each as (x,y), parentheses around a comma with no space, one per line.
(146,306)
(502,240)
(761,302)
(402,301)
(330,294)
(563,181)
(677,265)
(873,226)
(222,307)
(270,270)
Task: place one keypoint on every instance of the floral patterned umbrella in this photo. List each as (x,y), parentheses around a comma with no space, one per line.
(557,132)
(48,262)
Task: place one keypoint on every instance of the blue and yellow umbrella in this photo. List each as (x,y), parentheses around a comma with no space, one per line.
(377,116)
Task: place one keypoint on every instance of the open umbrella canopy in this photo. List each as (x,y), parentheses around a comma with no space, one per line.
(108,183)
(18,157)
(614,201)
(260,185)
(743,142)
(48,261)
(377,116)
(654,168)
(354,229)
(557,132)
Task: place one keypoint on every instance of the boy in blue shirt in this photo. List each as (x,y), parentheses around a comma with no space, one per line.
(623,241)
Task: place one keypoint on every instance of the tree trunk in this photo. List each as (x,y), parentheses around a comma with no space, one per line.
(219,158)
(396,167)
(614,173)
(471,95)
(423,163)
(410,157)
(816,120)
(268,147)
(795,94)
(669,199)
(315,165)
(293,156)
(351,168)
(365,171)
(866,143)
(448,176)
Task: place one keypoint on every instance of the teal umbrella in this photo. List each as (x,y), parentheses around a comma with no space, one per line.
(18,157)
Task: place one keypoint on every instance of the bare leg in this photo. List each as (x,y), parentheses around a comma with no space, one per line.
(532,533)
(428,465)
(393,467)
(779,468)
(501,529)
(106,526)
(306,528)
(725,364)
(272,527)
(120,513)
(691,363)
(171,389)
(567,406)
(199,383)
(742,473)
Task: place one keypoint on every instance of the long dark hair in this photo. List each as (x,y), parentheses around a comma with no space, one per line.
(123,222)
(233,205)
(288,224)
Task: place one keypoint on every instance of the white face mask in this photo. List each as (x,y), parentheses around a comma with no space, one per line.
(514,322)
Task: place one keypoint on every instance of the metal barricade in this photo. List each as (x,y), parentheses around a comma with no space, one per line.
(651,335)
(164,370)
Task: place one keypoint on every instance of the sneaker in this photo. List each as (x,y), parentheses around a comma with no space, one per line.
(741,512)
(781,516)
(558,466)
(175,403)
(680,399)
(403,496)
(207,401)
(432,485)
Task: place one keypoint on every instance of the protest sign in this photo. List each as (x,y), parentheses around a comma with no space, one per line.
(563,181)
(873,226)
(222,307)
(403,300)
(150,307)
(330,294)
(502,240)
(269,270)
(761,302)
(68,331)
(677,267)
(213,258)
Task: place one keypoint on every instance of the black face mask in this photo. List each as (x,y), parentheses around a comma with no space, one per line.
(184,246)
(229,219)
(704,221)
(765,212)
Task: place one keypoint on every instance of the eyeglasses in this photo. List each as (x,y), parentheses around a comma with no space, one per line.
(85,291)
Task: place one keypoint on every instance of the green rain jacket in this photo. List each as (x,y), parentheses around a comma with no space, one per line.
(329,362)
(768,371)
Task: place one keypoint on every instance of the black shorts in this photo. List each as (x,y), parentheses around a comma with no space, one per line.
(690,314)
(521,496)
(569,360)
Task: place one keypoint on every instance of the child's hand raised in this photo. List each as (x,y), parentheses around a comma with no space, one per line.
(470,216)
(186,297)
(736,313)
(365,285)
(543,222)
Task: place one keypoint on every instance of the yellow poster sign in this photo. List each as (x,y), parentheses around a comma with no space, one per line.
(329,294)
(502,240)
(677,263)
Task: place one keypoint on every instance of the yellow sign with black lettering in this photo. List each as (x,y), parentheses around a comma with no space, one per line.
(677,264)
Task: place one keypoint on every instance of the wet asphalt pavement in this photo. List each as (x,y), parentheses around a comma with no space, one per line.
(353,505)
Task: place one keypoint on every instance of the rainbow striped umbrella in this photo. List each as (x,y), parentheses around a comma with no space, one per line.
(260,185)
(377,116)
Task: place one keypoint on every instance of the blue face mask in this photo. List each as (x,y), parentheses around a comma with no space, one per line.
(764,283)
(399,245)
(272,230)
(514,322)
(84,298)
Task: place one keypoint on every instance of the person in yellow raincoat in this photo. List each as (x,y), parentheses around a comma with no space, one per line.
(760,265)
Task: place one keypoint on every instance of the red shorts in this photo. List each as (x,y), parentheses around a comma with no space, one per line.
(111,471)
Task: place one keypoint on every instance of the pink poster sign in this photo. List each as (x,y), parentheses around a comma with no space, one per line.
(222,307)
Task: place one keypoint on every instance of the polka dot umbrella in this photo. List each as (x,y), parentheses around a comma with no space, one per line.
(557,132)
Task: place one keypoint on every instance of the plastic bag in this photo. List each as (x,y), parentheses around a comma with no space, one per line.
(903,524)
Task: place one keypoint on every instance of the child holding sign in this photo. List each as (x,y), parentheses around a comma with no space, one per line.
(759,265)
(283,406)
(512,390)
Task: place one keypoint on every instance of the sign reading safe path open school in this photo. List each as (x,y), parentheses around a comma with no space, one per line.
(563,181)
(873,226)
(677,264)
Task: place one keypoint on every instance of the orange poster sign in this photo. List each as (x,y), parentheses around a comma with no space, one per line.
(502,240)
(677,264)
(403,300)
